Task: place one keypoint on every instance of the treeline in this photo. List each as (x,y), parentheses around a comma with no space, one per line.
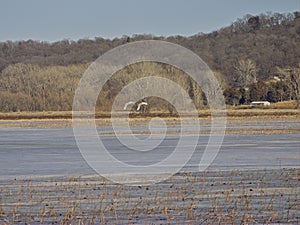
(246,55)
(273,40)
(28,87)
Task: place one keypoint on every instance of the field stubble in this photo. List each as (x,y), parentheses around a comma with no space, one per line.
(219,197)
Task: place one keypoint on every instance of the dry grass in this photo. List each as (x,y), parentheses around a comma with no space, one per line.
(246,121)
(286,108)
(224,197)
(285,105)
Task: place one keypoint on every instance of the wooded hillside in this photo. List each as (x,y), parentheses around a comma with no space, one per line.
(37,76)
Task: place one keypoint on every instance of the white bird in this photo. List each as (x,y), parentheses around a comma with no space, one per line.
(140,105)
(127,104)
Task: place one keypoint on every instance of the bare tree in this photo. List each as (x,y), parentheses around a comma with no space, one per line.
(292,78)
(245,73)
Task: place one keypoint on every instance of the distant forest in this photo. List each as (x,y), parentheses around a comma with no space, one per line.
(255,58)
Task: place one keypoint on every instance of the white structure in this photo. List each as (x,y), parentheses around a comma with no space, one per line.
(260,103)
(140,105)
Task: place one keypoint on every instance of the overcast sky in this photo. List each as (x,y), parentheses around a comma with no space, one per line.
(52,20)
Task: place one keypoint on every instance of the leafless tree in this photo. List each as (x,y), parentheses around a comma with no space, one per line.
(245,72)
(292,78)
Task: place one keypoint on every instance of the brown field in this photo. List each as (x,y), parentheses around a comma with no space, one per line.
(231,112)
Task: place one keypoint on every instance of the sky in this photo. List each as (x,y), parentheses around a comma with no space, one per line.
(54,20)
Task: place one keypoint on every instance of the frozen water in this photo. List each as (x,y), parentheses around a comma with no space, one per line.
(50,152)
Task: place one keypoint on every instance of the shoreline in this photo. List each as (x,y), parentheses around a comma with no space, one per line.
(67,115)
